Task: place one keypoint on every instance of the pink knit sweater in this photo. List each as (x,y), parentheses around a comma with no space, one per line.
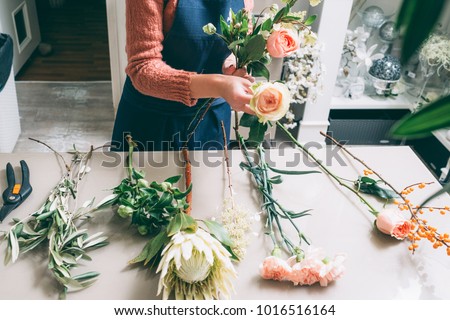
(147,21)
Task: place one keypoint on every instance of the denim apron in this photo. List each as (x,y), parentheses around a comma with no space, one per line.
(157,124)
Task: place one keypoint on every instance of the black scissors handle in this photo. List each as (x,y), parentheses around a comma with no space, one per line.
(26,188)
(15,193)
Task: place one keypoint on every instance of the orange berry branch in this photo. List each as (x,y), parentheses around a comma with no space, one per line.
(422,229)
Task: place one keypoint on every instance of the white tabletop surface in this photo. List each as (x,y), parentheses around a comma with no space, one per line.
(377,267)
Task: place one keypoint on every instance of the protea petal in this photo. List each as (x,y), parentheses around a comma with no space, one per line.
(195,266)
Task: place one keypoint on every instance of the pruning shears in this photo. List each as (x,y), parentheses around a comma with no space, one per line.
(16,193)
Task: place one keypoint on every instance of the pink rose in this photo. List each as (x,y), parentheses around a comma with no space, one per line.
(270,101)
(249,5)
(392,222)
(282,43)
(274,268)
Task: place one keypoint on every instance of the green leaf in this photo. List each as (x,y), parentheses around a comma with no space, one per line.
(144,253)
(73,236)
(138,174)
(257,132)
(375,189)
(177,194)
(276,180)
(247,120)
(173,179)
(280,14)
(157,243)
(310,20)
(14,245)
(258,69)
(257,129)
(219,232)
(433,117)
(405,13)
(174,225)
(188,223)
(165,200)
(235,43)
(225,29)
(290,172)
(86,276)
(107,202)
(419,17)
(295,215)
(267,25)
(255,48)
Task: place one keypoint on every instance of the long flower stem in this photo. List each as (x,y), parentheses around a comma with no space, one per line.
(227,162)
(324,168)
(400,194)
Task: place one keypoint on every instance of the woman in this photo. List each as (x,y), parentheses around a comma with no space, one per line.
(173,66)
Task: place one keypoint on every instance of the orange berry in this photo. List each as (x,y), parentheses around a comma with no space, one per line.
(442,212)
(410,247)
(447,208)
(431,209)
(415,245)
(445,235)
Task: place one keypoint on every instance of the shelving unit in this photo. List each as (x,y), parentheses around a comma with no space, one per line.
(345,15)
(403,101)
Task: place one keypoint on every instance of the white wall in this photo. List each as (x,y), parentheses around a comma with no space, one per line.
(7,7)
(117,38)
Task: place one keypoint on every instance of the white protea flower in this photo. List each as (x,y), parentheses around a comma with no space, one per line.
(195,266)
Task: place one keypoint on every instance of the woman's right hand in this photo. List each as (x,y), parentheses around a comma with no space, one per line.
(236,91)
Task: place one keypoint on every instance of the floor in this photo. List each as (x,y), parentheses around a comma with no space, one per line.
(78,34)
(64,114)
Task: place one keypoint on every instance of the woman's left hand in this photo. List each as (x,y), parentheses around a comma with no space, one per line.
(229,69)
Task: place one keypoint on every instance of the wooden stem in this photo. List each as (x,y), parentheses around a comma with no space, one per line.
(188,178)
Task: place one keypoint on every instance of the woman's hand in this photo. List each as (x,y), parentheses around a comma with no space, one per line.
(229,68)
(236,91)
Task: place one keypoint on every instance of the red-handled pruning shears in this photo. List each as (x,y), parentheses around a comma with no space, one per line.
(16,193)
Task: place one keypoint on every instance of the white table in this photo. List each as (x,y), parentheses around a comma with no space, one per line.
(378,267)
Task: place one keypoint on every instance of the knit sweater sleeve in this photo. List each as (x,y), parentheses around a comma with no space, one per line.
(149,74)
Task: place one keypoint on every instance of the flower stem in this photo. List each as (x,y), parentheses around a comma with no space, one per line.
(331,174)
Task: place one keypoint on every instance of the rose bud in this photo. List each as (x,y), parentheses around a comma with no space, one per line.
(392,222)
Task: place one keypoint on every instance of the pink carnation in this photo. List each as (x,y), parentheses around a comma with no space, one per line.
(334,270)
(274,268)
(316,267)
(306,272)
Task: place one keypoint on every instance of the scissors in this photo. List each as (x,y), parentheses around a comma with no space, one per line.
(16,193)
